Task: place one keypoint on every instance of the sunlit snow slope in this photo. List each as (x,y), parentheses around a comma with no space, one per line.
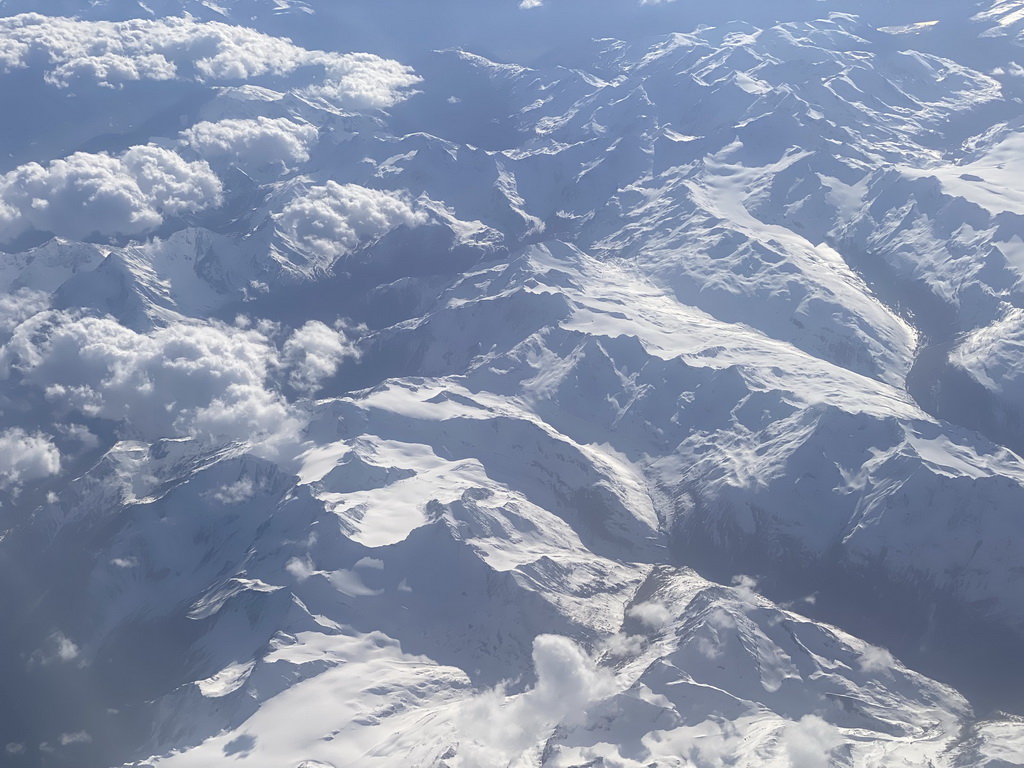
(553,384)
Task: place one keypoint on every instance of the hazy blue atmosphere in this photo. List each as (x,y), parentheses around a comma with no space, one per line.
(485,384)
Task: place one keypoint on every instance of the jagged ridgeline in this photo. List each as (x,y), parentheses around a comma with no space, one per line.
(489,385)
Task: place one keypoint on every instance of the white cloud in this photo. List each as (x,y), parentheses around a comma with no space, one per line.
(332,220)
(206,380)
(313,352)
(79,433)
(653,614)
(527,4)
(253,142)
(66,649)
(746,589)
(809,742)
(300,568)
(25,456)
(875,659)
(753,740)
(348,582)
(720,624)
(363,81)
(621,644)
(1013,68)
(370,563)
(715,744)
(16,307)
(15,748)
(57,648)
(86,194)
(496,729)
(78,737)
(235,493)
(112,53)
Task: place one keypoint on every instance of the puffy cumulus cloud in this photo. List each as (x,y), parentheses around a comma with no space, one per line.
(16,307)
(527,4)
(143,49)
(620,644)
(187,379)
(79,433)
(301,568)
(87,193)
(364,81)
(809,742)
(112,53)
(25,456)
(313,353)
(496,729)
(332,220)
(235,493)
(1013,69)
(653,614)
(874,659)
(58,649)
(256,142)
(745,588)
(77,737)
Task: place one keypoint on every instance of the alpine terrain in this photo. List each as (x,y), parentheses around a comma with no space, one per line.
(497,384)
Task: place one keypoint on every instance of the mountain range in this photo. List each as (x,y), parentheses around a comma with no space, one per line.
(486,385)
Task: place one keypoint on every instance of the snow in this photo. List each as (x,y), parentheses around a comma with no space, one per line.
(403,451)
(989,181)
(403,698)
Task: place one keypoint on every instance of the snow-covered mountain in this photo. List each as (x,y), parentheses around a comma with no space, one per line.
(545,384)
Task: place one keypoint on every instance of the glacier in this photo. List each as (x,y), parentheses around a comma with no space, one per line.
(492,385)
